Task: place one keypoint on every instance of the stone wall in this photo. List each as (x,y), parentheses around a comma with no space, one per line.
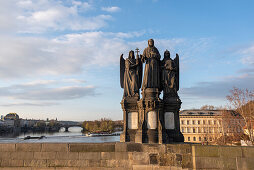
(122,156)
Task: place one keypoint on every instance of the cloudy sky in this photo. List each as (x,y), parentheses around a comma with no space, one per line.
(60,58)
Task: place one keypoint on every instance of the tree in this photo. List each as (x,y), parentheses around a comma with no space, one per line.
(243,103)
(230,127)
(207,107)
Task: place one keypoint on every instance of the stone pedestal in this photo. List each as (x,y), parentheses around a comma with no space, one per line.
(150,119)
(130,109)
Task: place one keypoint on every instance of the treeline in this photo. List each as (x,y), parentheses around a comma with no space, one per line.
(102,125)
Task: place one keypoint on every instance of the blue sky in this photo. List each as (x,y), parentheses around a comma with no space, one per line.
(60,58)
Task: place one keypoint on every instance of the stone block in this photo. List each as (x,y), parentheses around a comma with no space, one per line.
(54,147)
(187,161)
(12,163)
(44,155)
(229,163)
(45,168)
(134,147)
(68,168)
(244,163)
(122,155)
(179,148)
(90,156)
(151,148)
(208,163)
(22,155)
(175,168)
(140,158)
(230,151)
(94,163)
(35,163)
(161,167)
(120,147)
(67,163)
(4,147)
(162,148)
(5,155)
(67,155)
(112,163)
(16,168)
(91,147)
(248,152)
(142,167)
(28,147)
(205,151)
(108,155)
(153,159)
(168,159)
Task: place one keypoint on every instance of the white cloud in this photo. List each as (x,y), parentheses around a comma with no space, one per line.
(32,16)
(35,91)
(70,53)
(247,55)
(111,9)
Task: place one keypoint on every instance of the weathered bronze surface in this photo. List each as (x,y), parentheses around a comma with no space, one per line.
(153,113)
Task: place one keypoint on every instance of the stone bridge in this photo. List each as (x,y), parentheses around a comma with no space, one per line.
(68,124)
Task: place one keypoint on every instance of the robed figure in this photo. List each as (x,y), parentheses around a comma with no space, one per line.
(151,57)
(170,74)
(130,75)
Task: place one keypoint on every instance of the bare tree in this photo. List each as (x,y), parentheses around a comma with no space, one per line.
(242,101)
(207,107)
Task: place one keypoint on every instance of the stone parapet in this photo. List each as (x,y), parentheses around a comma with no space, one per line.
(133,156)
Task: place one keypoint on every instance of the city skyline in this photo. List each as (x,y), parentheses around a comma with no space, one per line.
(55,54)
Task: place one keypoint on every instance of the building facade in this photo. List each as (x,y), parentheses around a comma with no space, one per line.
(200,126)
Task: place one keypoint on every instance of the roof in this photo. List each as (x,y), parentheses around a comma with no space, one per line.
(198,112)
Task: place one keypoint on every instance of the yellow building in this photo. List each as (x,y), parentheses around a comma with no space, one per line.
(199,126)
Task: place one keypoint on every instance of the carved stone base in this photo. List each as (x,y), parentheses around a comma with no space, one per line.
(158,120)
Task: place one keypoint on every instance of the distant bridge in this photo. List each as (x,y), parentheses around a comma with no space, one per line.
(68,124)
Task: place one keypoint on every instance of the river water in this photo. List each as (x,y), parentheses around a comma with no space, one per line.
(73,136)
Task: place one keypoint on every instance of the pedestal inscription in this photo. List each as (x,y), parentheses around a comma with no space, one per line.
(133,120)
(169,120)
(151,120)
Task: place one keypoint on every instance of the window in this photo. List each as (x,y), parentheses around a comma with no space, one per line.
(199,122)
(199,130)
(210,138)
(199,138)
(188,122)
(193,122)
(188,130)
(214,122)
(182,122)
(194,130)
(188,138)
(183,130)
(194,138)
(204,130)
(204,138)
(204,122)
(209,122)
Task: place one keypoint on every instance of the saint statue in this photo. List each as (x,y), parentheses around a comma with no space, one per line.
(131,74)
(151,57)
(170,74)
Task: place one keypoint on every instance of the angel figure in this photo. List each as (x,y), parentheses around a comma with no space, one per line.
(170,74)
(130,75)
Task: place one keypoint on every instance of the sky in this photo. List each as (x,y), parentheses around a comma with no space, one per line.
(60,58)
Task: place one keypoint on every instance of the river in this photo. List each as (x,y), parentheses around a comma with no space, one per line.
(73,136)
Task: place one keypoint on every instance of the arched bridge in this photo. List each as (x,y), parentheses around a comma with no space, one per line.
(68,124)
